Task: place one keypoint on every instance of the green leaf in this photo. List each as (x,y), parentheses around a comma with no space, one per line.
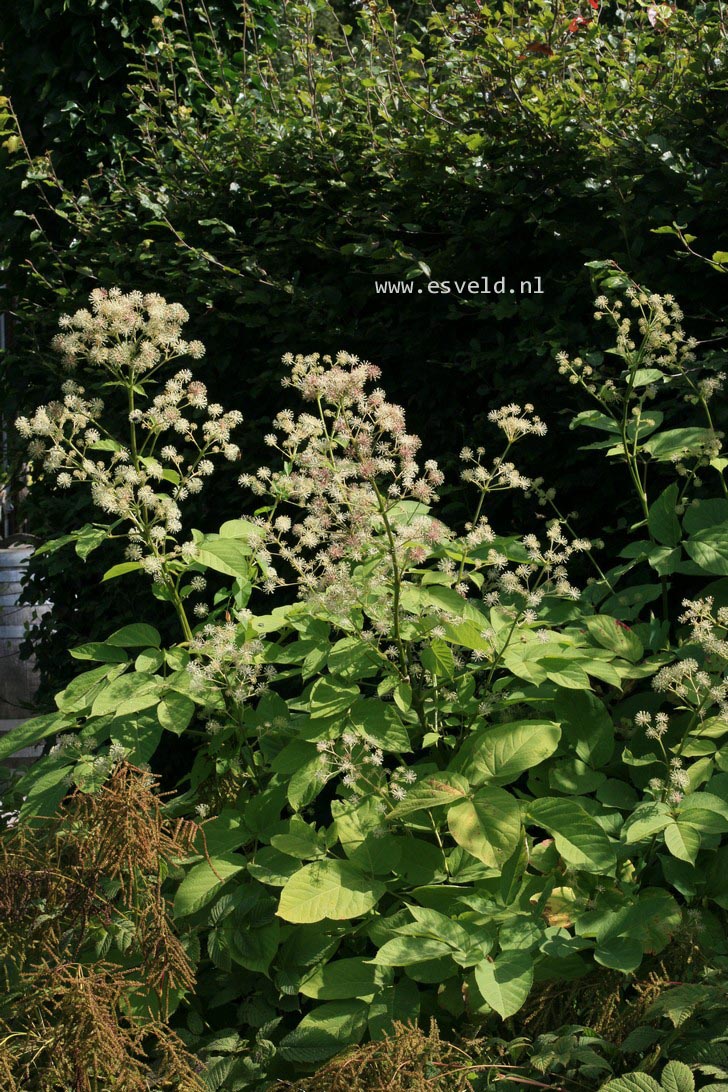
(498,755)
(381,724)
(129,694)
(328,889)
(579,839)
(432,923)
(608,633)
(563,671)
(704,810)
(272,867)
(329,698)
(203,881)
(121,569)
(595,419)
(325,1031)
(586,726)
(53,545)
(175,711)
(706,513)
(81,691)
(100,651)
(150,660)
(89,538)
(301,841)
(31,731)
(643,377)
(677,441)
(407,951)
(139,733)
(506,982)
(619,953)
(342,979)
(662,518)
(683,841)
(228,556)
(222,834)
(399,1002)
(254,948)
(632,1082)
(48,786)
(646,820)
(431,792)
(676,1076)
(137,635)
(305,784)
(488,825)
(437,658)
(709,549)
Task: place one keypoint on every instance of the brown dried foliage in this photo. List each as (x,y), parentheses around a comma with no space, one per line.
(407,1060)
(73,890)
(608,1002)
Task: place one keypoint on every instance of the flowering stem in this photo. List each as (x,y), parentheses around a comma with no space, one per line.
(132,425)
(396,580)
(499,657)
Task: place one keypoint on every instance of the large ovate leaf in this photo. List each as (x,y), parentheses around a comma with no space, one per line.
(400,1002)
(677,441)
(662,517)
(203,881)
(632,1082)
(175,711)
(325,1031)
(709,549)
(500,754)
(432,792)
(330,697)
(586,726)
(407,951)
(609,633)
(380,724)
(342,979)
(487,825)
(328,889)
(81,691)
(254,949)
(229,556)
(31,731)
(619,953)
(137,635)
(683,841)
(579,839)
(505,982)
(677,1077)
(129,694)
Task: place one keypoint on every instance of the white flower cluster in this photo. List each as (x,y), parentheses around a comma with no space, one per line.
(655,728)
(672,789)
(655,340)
(360,764)
(708,626)
(545,573)
(515,422)
(349,466)
(225,660)
(130,333)
(167,454)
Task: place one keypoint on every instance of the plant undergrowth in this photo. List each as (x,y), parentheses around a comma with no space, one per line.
(472,779)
